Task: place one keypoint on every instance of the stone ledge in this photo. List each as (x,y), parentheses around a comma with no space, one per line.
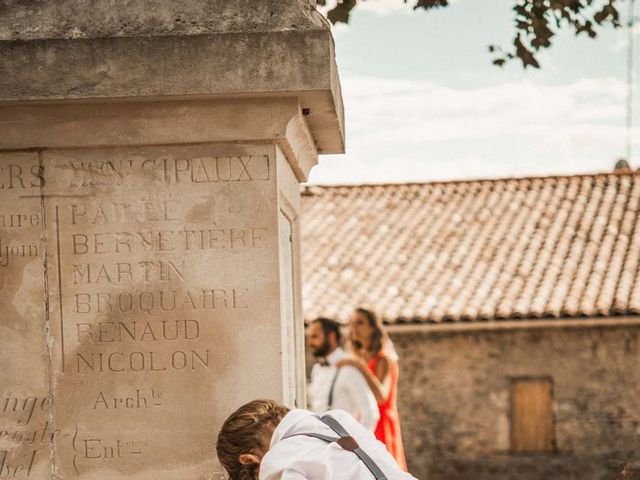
(116,124)
(73,19)
(299,62)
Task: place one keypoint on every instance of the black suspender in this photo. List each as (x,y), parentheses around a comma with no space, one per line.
(346,441)
(333,386)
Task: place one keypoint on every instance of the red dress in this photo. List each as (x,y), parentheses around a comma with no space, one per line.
(388,428)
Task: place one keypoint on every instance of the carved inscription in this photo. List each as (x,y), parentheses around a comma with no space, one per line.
(19,220)
(167,241)
(11,251)
(106,213)
(25,434)
(20,177)
(123,273)
(134,401)
(170,170)
(156,256)
(101,261)
(158,301)
(91,449)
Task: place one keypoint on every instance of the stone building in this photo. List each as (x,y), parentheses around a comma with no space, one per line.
(515,309)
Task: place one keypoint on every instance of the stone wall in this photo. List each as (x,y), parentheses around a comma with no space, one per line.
(454,400)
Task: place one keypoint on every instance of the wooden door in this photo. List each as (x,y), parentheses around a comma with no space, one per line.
(532,421)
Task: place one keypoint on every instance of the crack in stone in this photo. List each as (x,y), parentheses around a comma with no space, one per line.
(49,340)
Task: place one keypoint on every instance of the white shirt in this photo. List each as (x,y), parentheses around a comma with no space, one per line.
(302,457)
(351,392)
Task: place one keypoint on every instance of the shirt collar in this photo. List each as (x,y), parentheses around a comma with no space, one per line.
(287,423)
(335,356)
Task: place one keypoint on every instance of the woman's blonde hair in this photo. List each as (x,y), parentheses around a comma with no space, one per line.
(247,429)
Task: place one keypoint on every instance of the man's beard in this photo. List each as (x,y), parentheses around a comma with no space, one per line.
(323,351)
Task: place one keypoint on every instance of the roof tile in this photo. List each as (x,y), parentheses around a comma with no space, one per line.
(475,250)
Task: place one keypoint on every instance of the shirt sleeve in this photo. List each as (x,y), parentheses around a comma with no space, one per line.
(363,398)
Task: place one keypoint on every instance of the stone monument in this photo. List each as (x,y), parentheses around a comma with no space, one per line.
(150,157)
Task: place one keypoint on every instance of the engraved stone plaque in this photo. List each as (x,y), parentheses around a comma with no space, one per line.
(140,291)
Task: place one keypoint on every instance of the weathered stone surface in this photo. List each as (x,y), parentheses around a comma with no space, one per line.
(150,157)
(159,267)
(164,259)
(40,19)
(26,432)
(455,408)
(156,123)
(95,50)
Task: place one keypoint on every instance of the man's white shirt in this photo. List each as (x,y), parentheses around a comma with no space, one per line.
(302,457)
(351,392)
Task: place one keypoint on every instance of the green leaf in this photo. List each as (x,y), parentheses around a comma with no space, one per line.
(341,12)
(524,54)
(427,4)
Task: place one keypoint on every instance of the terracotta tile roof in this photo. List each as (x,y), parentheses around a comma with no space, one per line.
(474,250)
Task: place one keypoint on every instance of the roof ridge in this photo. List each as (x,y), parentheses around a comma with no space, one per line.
(469,181)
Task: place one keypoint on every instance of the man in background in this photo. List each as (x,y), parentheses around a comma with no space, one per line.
(338,388)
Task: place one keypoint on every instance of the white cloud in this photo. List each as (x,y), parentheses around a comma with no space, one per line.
(422,112)
(406,130)
(385,7)
(380,7)
(622,40)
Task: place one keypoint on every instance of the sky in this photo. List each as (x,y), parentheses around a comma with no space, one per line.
(424,103)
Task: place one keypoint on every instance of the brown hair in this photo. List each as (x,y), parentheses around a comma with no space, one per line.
(328,326)
(379,338)
(247,429)
(630,472)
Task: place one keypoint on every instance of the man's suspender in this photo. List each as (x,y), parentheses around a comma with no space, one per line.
(347,442)
(333,386)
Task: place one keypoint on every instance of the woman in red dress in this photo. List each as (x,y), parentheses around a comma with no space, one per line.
(375,357)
